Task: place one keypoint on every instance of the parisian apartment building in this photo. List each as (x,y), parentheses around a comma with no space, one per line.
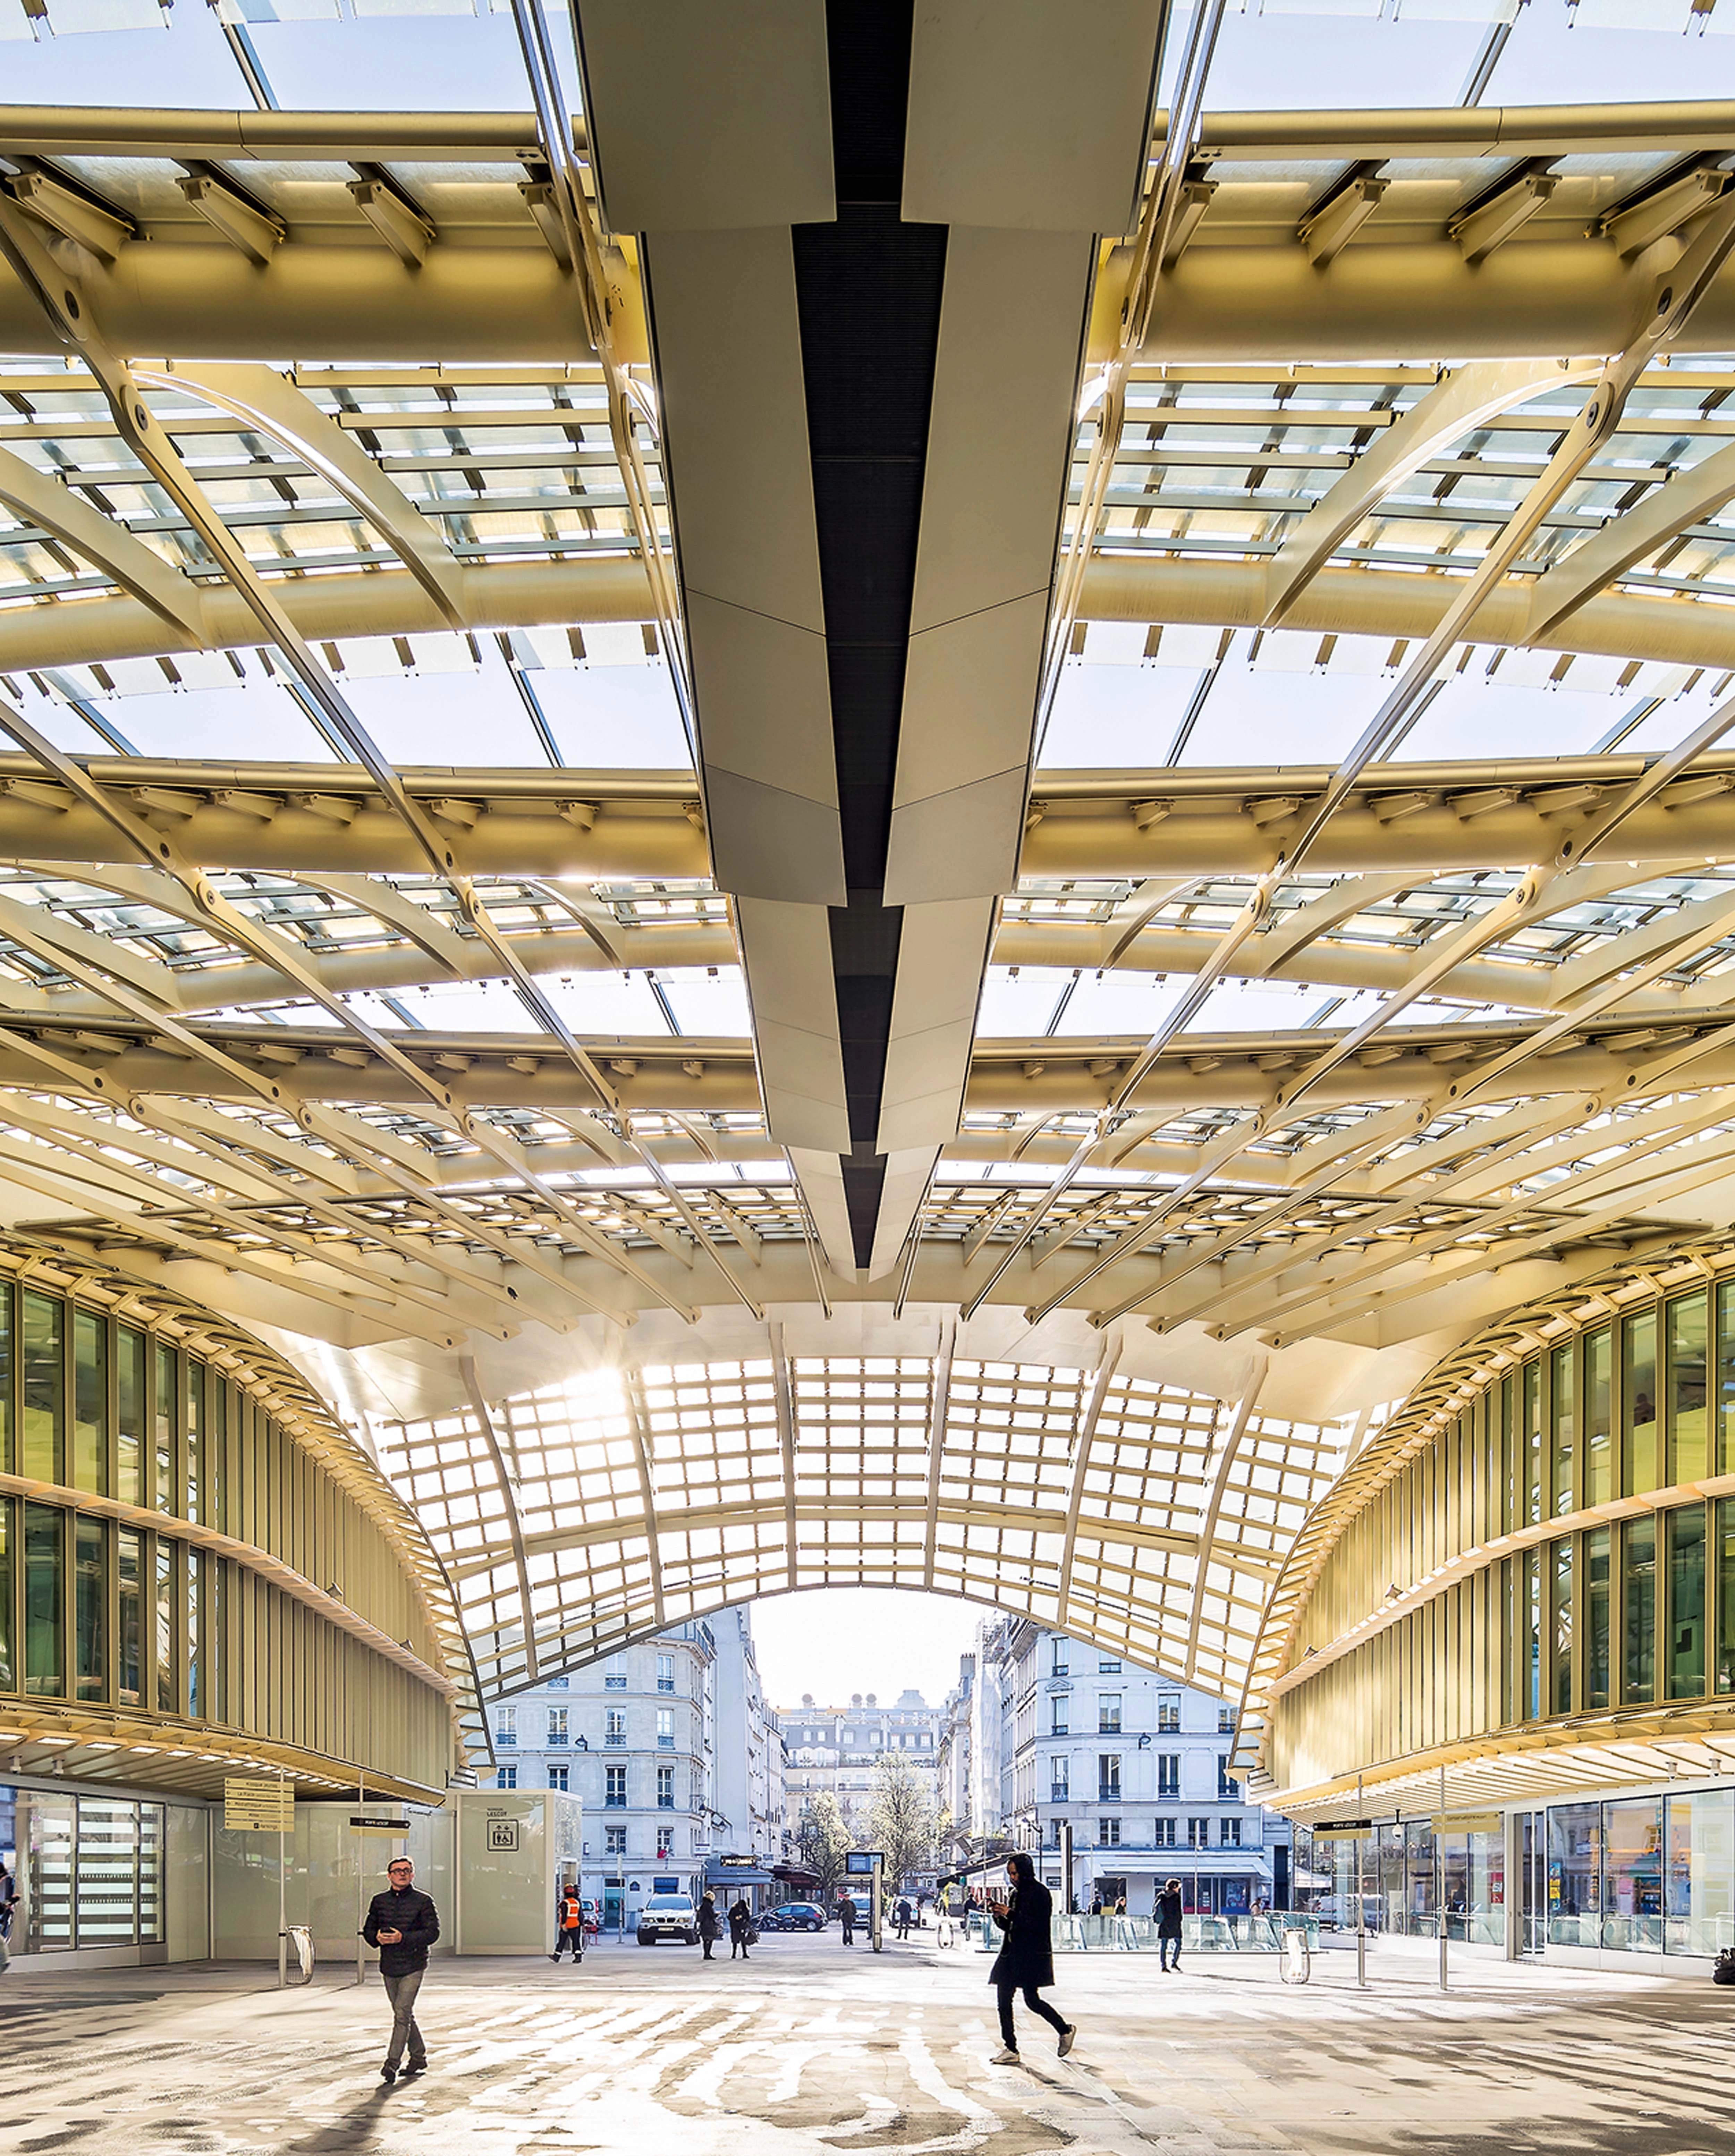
(836,1748)
(677,1760)
(1042,1730)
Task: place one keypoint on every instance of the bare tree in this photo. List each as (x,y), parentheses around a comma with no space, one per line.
(901,1818)
(822,1841)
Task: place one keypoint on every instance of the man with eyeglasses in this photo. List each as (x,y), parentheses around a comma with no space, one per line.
(403,1922)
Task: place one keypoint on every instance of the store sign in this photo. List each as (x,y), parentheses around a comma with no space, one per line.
(368,1825)
(259,1804)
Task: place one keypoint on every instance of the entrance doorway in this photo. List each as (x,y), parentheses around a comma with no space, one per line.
(1532,1883)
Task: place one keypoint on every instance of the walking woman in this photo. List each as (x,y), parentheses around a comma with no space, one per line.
(1169,1923)
(1026,1960)
(740,1918)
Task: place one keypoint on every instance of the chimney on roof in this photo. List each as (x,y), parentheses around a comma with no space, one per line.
(873,1699)
(855,1699)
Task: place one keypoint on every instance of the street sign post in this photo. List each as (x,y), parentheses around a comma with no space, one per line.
(258,1803)
(255,1803)
(871,1864)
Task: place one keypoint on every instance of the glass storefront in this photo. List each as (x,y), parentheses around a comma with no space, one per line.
(1406,1872)
(91,1871)
(1643,1874)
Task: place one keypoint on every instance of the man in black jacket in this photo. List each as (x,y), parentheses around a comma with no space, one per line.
(403,1922)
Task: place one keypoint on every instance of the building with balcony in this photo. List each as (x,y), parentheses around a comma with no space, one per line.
(836,1748)
(1136,1765)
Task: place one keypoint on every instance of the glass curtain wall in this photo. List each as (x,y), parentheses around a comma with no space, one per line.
(1643,1874)
(1581,1618)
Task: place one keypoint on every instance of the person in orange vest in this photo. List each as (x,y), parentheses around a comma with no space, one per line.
(569,1921)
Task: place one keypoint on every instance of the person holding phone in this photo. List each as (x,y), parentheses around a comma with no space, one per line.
(403,1922)
(1026,1960)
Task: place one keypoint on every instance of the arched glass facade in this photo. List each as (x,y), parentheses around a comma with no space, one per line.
(1539,1549)
(198,1569)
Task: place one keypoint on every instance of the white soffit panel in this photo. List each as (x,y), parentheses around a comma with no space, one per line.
(1030,113)
(706,117)
(786,951)
(741,483)
(999,449)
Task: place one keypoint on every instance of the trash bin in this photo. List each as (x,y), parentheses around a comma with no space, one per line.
(300,1939)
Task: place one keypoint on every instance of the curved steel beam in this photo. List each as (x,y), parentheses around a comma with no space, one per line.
(1465,400)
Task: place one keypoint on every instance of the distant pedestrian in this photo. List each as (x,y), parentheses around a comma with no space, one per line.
(9,1902)
(1026,1960)
(846,1917)
(403,1922)
(1096,1903)
(568,1925)
(1120,1905)
(710,1924)
(906,1917)
(740,1919)
(1167,1913)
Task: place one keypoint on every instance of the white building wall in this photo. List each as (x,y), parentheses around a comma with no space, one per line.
(615,1729)
(1134,1762)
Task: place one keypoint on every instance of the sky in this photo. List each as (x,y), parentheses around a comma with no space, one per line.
(838,1641)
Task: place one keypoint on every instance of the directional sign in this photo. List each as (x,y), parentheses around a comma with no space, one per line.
(259,1804)
(859,1861)
(378,1825)
(1342,1827)
(1466,1822)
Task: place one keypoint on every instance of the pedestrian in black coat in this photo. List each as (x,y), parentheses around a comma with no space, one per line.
(740,1917)
(1168,1924)
(1026,1960)
(709,1924)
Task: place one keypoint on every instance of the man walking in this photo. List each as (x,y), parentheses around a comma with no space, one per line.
(569,1924)
(846,1917)
(403,1922)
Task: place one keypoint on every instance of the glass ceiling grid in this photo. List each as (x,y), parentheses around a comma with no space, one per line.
(864,1488)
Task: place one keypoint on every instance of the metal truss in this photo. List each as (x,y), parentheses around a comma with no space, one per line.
(1147,1518)
(312,1027)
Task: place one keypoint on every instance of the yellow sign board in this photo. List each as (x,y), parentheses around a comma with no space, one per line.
(1466,1822)
(259,1804)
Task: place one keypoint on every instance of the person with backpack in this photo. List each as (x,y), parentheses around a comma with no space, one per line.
(710,1924)
(569,1925)
(1026,1960)
(403,1924)
(1167,1913)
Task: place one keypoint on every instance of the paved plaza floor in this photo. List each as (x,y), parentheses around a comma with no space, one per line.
(811,2047)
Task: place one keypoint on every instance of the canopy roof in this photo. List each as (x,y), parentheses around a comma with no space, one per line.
(738,730)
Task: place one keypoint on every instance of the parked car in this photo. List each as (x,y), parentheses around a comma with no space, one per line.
(793,1916)
(669,1916)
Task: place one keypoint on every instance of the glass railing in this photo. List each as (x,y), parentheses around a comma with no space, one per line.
(1261,1934)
